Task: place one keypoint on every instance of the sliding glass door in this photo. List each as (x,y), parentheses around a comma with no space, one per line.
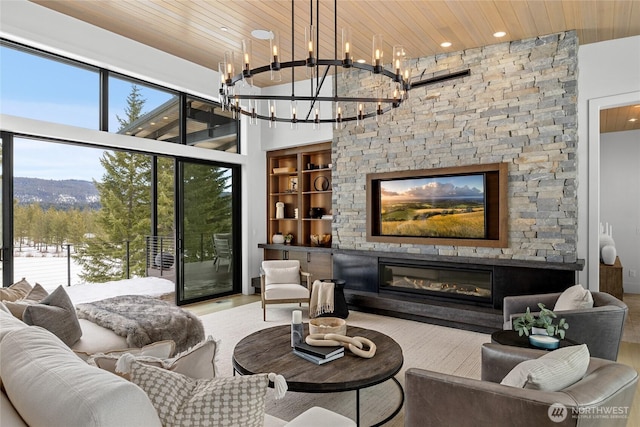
(208,234)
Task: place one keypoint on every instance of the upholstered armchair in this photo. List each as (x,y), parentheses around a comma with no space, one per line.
(280,282)
(599,327)
(603,396)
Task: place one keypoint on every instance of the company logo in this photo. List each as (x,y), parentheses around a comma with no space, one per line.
(557,412)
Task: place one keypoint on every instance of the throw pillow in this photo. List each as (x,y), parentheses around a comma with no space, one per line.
(16,291)
(181,401)
(57,314)
(553,371)
(574,298)
(197,362)
(37,294)
(282,275)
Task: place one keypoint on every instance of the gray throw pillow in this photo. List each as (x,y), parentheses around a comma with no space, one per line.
(57,314)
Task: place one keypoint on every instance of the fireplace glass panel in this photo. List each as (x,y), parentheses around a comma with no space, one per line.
(454,283)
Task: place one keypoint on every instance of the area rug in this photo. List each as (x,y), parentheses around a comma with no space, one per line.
(426,346)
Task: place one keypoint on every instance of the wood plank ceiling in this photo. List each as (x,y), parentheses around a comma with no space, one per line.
(201,31)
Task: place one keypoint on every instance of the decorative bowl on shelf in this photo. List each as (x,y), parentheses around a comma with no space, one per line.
(328,325)
(321,240)
(544,341)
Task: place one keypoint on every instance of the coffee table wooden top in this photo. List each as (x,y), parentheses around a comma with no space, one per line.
(269,350)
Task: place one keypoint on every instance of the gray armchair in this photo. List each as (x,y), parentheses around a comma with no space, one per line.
(600,327)
(436,399)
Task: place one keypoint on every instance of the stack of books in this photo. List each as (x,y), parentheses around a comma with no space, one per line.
(318,355)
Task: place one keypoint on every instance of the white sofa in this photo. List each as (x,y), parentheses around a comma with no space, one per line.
(44,383)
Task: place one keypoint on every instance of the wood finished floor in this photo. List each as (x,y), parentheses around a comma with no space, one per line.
(629,349)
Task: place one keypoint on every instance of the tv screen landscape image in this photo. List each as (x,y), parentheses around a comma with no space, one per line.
(436,206)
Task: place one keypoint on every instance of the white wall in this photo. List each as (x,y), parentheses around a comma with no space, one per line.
(283,136)
(620,199)
(609,76)
(39,27)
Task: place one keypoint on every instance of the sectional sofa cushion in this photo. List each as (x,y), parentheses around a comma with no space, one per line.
(57,314)
(96,339)
(9,323)
(184,401)
(197,362)
(46,381)
(553,371)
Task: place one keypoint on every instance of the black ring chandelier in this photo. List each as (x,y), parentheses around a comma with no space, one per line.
(400,74)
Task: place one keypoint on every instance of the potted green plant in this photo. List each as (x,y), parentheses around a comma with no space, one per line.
(288,238)
(544,320)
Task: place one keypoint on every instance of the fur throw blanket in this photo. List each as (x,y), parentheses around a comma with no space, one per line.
(143,320)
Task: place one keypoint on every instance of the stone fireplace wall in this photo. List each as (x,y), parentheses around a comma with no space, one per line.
(518,106)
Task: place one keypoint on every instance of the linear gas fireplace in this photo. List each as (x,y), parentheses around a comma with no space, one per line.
(468,284)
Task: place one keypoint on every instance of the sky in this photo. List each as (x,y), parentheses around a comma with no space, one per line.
(432,186)
(42,89)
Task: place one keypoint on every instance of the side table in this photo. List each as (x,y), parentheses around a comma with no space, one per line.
(509,337)
(611,279)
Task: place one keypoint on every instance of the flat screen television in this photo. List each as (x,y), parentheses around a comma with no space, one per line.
(440,206)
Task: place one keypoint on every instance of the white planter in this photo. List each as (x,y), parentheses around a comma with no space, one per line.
(538,331)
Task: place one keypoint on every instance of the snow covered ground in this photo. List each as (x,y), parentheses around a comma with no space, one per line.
(50,271)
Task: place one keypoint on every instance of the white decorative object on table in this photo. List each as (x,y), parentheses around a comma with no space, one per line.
(608,254)
(297,330)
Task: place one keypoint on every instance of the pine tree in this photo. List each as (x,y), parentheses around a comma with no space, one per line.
(207,206)
(125,214)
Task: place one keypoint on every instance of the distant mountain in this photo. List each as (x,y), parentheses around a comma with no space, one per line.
(61,194)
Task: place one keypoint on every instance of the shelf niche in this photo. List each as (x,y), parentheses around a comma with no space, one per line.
(300,177)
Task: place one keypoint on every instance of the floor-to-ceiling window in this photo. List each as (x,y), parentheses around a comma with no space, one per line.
(34,84)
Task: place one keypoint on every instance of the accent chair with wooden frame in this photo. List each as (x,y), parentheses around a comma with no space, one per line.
(283,281)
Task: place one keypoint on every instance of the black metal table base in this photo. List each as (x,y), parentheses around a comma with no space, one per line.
(393,414)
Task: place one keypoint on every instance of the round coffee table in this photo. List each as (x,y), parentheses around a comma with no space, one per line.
(269,350)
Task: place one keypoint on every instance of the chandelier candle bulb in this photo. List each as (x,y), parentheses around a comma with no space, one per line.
(347,62)
(378,53)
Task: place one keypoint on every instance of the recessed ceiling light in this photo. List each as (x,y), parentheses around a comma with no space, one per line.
(445,44)
(636,106)
(262,34)
(499,34)
(225,29)
(153,123)
(361,61)
(633,120)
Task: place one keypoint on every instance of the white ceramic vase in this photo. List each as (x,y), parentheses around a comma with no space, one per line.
(277,238)
(608,254)
(279,210)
